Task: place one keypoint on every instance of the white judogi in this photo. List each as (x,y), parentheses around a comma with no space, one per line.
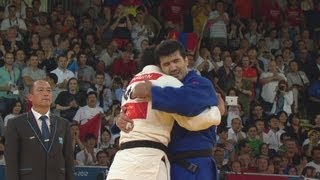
(149,124)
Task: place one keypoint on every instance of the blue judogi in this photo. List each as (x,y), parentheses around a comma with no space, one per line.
(196,94)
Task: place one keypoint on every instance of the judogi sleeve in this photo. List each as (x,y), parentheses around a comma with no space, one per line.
(196,95)
(204,120)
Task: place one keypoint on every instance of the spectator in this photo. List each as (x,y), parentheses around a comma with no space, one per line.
(253,140)
(200,12)
(234,133)
(171,14)
(62,72)
(86,74)
(236,167)
(77,145)
(294,128)
(15,110)
(109,54)
(124,66)
(217,23)
(283,99)
(69,101)
(225,73)
(31,73)
(269,81)
(8,84)
(309,172)
(316,160)
(105,139)
(88,156)
(283,119)
(86,113)
(140,31)
(272,137)
(103,159)
(243,87)
(253,36)
(104,93)
(297,81)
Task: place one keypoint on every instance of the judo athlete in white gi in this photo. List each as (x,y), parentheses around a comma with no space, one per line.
(142,154)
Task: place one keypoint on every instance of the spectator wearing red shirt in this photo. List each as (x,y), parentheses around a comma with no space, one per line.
(271,11)
(294,14)
(171,13)
(243,8)
(124,66)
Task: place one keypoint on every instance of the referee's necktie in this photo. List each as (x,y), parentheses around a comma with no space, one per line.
(45,131)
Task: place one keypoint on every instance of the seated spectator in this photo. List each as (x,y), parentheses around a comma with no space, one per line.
(85,113)
(62,72)
(31,73)
(272,136)
(124,66)
(244,148)
(283,119)
(297,81)
(235,133)
(69,101)
(294,129)
(236,167)
(109,54)
(86,74)
(229,150)
(140,31)
(12,43)
(77,145)
(12,21)
(283,99)
(312,142)
(263,165)
(315,153)
(253,140)
(232,110)
(48,63)
(259,123)
(243,87)
(105,139)
(103,159)
(15,110)
(88,156)
(309,172)
(269,81)
(104,93)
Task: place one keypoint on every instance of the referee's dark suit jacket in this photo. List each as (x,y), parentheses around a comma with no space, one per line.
(27,157)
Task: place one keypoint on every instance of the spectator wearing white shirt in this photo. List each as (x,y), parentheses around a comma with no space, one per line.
(269,81)
(316,160)
(217,23)
(272,137)
(87,157)
(62,72)
(13,21)
(84,114)
(234,133)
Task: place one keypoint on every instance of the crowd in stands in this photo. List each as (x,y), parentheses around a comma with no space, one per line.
(266,53)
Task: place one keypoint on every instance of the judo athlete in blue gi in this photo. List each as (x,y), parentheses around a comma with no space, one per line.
(190,152)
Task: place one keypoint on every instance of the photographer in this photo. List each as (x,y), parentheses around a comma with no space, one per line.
(283,99)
